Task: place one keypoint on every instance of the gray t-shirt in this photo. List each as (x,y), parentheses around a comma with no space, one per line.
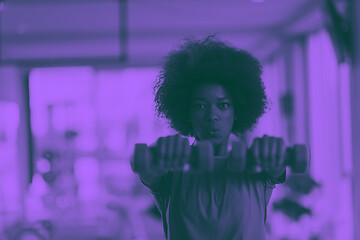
(214,205)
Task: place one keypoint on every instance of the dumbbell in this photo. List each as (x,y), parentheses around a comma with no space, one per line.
(202,158)
(241,159)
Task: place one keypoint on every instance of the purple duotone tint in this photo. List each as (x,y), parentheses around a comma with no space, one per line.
(76,95)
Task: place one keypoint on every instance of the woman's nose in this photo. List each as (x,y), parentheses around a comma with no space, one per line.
(213,113)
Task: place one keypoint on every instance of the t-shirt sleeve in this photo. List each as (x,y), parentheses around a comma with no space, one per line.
(270,183)
(160,190)
(162,186)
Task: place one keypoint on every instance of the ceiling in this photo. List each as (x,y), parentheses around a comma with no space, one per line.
(42,32)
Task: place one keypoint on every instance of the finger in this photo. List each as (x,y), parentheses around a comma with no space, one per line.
(273,156)
(160,151)
(169,155)
(178,150)
(255,152)
(264,151)
(280,152)
(186,152)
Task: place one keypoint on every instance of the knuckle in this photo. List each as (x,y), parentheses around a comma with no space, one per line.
(160,139)
(255,143)
(281,142)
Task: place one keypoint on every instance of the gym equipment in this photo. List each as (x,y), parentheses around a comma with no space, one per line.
(40,230)
(296,157)
(202,158)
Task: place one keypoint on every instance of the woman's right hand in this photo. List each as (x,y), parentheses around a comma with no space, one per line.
(172,152)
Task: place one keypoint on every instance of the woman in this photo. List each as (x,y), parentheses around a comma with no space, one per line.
(208,90)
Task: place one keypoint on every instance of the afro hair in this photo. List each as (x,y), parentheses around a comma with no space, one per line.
(211,61)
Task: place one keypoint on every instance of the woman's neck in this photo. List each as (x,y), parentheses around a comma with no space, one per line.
(220,149)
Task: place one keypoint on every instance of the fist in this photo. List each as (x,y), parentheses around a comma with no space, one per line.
(172,152)
(269,154)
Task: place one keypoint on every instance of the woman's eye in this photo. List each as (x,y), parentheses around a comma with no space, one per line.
(199,106)
(224,105)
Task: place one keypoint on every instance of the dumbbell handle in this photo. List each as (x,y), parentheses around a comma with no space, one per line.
(143,159)
(296,157)
(252,166)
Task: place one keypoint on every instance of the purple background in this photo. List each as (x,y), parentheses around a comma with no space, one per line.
(76,83)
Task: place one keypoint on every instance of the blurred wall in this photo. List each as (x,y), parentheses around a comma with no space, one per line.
(14,143)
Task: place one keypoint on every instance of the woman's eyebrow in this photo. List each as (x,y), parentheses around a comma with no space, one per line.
(198,99)
(223,98)
(202,99)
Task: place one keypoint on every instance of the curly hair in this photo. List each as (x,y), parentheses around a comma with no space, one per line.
(213,61)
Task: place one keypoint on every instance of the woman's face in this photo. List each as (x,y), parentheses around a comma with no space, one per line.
(211,113)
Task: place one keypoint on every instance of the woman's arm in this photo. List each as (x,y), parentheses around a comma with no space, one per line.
(276,173)
(151,179)
(171,152)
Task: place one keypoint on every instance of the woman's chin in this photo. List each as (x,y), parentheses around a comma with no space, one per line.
(214,139)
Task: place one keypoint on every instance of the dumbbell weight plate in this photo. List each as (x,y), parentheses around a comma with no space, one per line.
(141,161)
(301,158)
(237,161)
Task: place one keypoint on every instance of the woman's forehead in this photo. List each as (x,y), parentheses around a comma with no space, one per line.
(215,91)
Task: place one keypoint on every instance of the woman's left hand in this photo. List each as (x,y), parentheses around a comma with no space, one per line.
(269,154)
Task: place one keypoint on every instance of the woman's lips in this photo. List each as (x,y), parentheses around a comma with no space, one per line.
(213,132)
